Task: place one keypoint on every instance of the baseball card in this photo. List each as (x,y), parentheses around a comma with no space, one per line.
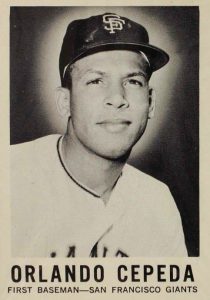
(104,153)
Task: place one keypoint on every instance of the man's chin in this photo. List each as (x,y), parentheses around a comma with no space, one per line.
(116,155)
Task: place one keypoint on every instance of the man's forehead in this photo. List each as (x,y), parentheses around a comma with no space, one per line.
(101,62)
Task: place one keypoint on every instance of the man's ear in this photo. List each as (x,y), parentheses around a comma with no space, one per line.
(152,100)
(62,100)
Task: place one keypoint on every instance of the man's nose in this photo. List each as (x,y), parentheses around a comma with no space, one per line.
(116,97)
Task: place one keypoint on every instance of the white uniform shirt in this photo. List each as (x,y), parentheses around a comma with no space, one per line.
(53,216)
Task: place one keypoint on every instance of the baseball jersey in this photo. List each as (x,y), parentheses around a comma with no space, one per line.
(53,216)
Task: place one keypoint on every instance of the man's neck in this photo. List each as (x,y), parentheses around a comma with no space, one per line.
(92,171)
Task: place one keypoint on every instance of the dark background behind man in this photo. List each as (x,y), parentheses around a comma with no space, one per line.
(169,149)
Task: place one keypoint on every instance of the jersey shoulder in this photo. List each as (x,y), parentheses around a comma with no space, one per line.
(32,160)
(154,209)
(149,191)
(35,145)
(143,181)
(31,151)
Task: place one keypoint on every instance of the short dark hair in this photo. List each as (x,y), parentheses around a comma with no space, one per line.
(67,80)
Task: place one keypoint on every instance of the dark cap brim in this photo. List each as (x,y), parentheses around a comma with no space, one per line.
(157,57)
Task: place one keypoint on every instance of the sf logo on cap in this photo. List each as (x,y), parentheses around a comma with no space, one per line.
(114,21)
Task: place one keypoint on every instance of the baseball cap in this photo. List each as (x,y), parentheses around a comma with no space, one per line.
(108,31)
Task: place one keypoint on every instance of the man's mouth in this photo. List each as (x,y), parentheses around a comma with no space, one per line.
(114,125)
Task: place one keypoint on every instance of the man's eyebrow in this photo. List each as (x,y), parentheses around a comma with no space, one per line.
(89,71)
(133,74)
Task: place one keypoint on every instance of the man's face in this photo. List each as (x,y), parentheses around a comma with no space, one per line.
(109,102)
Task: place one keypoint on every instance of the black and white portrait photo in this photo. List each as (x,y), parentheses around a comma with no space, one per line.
(104,131)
